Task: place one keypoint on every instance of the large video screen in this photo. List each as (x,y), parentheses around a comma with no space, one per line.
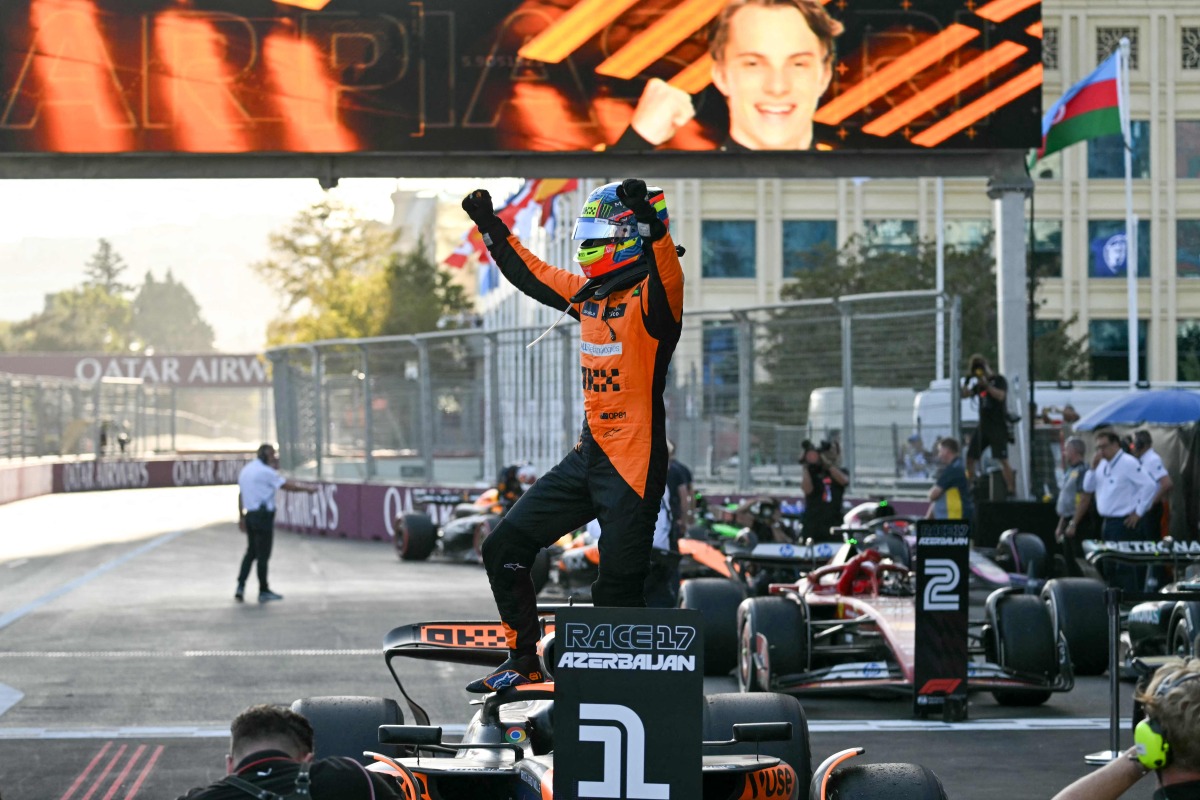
(489,76)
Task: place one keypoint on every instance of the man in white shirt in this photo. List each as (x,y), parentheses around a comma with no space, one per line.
(1123,493)
(257,483)
(1153,466)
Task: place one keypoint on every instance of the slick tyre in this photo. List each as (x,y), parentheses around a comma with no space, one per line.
(772,641)
(1025,643)
(893,781)
(347,725)
(717,600)
(1077,608)
(416,537)
(723,711)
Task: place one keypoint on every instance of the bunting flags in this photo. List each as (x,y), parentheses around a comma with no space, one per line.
(532,204)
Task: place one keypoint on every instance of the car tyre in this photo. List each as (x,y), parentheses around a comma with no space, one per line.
(717,600)
(723,711)
(347,725)
(893,781)
(783,624)
(1077,609)
(416,537)
(1025,643)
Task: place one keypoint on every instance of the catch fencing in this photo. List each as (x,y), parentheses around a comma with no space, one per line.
(746,388)
(48,416)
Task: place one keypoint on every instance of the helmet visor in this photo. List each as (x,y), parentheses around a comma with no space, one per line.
(592,228)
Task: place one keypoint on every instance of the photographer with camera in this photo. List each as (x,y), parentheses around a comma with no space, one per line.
(990,389)
(823,483)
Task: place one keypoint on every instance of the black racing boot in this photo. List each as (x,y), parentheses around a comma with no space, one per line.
(516,671)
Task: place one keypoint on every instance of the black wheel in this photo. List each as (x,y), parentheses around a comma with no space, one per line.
(772,640)
(416,536)
(1025,643)
(348,725)
(1077,608)
(722,711)
(540,570)
(893,781)
(1183,638)
(1029,552)
(717,600)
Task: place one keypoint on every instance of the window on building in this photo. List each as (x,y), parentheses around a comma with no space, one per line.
(1106,240)
(891,236)
(727,249)
(1187,148)
(1047,248)
(1050,47)
(1187,248)
(967,234)
(1187,350)
(1108,40)
(1106,154)
(1108,349)
(803,239)
(720,366)
(1189,50)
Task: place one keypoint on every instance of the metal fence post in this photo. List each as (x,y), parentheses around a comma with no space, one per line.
(368,419)
(952,368)
(745,347)
(318,407)
(492,421)
(848,457)
(427,409)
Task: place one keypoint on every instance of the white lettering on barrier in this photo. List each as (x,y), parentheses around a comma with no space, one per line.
(316,511)
(622,723)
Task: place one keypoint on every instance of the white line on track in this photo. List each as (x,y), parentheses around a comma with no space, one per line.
(9,697)
(826,726)
(16,614)
(185,653)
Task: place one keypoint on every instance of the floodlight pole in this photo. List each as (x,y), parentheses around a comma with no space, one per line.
(1008,193)
(940,284)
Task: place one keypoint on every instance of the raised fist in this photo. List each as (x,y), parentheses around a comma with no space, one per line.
(632,192)
(478,205)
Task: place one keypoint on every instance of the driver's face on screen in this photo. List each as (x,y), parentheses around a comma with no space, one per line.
(773,73)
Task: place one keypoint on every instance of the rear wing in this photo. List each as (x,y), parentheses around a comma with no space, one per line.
(1142,552)
(479,642)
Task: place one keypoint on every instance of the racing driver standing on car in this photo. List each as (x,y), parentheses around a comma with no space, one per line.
(629,302)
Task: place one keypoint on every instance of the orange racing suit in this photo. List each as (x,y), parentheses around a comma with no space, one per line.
(617,471)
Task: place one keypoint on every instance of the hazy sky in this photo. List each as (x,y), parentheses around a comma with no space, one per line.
(207,232)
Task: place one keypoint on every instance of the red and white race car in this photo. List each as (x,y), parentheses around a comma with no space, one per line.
(850,626)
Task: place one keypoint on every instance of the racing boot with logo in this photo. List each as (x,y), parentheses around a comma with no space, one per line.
(516,671)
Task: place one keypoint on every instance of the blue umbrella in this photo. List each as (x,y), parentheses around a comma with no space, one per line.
(1145,407)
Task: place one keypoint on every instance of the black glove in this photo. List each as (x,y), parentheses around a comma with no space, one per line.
(632,194)
(478,205)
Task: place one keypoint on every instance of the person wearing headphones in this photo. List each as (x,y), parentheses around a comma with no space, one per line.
(257,483)
(629,303)
(271,757)
(1167,742)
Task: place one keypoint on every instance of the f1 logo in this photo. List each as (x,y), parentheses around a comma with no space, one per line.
(941,590)
(631,752)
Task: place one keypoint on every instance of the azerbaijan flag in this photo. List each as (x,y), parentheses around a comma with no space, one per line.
(1088,109)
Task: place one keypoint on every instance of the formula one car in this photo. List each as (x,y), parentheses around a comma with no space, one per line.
(460,539)
(754,745)
(1168,627)
(849,626)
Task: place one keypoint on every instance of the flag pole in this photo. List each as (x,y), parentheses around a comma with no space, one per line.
(1131,244)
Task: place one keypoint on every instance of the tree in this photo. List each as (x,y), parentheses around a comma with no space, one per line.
(167,317)
(418,294)
(1059,357)
(341,277)
(104,270)
(87,318)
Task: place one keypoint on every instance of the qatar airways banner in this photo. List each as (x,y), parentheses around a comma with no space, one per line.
(485,76)
(192,371)
(121,473)
(358,511)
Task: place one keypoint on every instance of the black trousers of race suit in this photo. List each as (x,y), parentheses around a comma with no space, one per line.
(583,486)
(260,534)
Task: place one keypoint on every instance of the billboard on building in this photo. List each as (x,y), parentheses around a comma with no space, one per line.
(486,76)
